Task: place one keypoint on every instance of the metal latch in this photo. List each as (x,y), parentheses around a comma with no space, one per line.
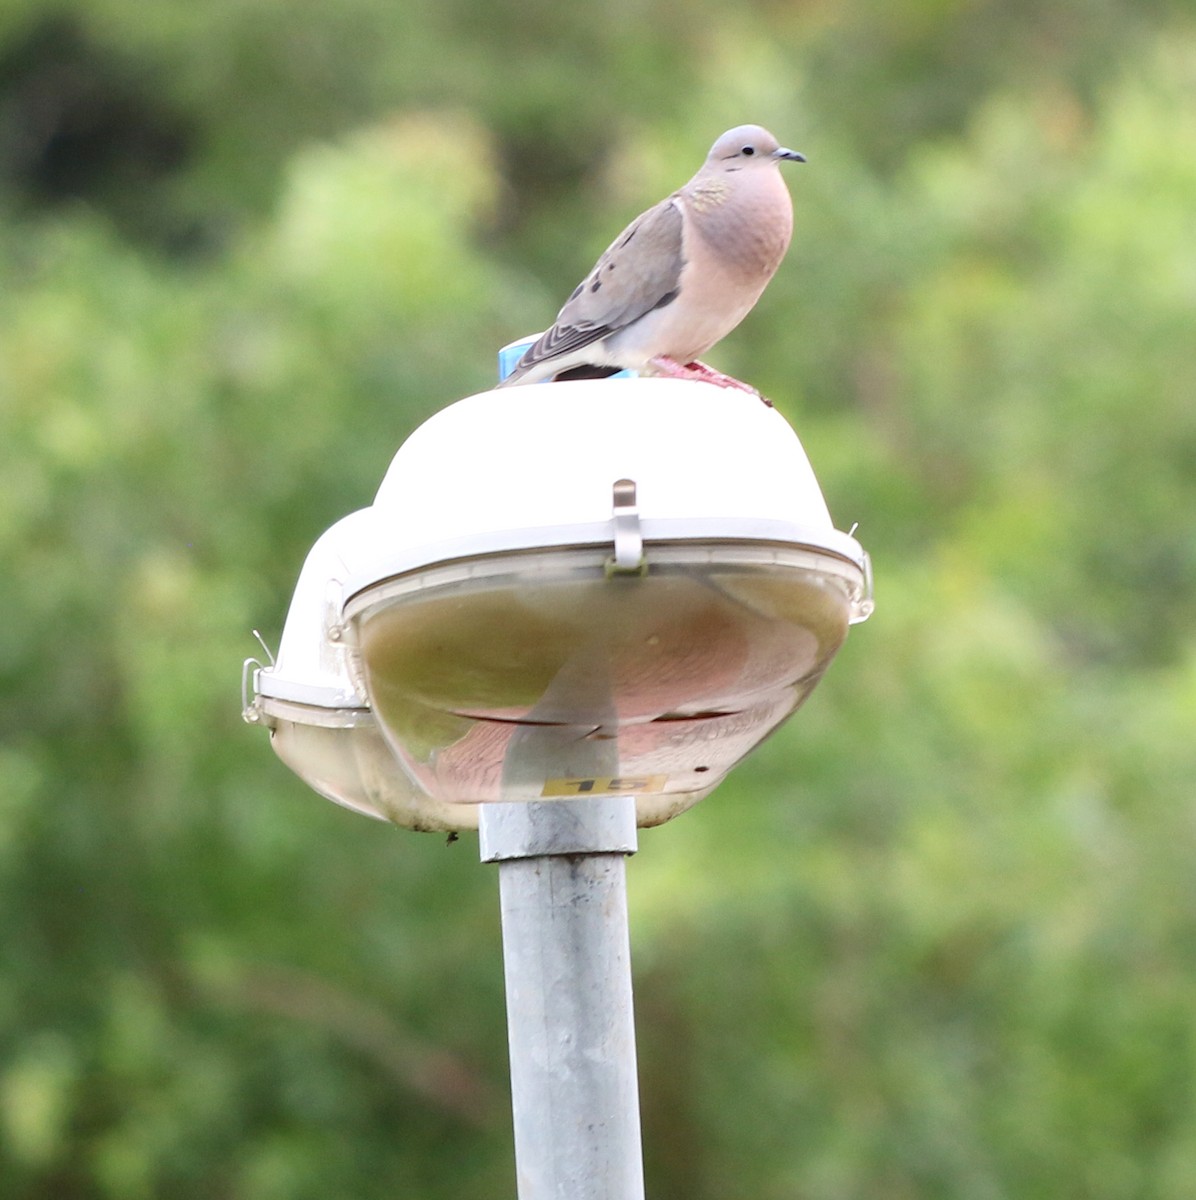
(628,558)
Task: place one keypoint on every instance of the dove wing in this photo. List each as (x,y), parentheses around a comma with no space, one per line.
(639,271)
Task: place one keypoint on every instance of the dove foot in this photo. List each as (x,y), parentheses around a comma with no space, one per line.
(663,365)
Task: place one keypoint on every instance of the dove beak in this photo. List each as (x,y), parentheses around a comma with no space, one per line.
(788,155)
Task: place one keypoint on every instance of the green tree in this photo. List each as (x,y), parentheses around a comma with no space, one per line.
(936,938)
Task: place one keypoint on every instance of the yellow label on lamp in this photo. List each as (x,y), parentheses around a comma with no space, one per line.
(624,785)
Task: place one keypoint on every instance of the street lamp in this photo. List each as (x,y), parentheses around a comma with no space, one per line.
(569,612)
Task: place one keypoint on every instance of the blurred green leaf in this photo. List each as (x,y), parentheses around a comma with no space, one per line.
(935,939)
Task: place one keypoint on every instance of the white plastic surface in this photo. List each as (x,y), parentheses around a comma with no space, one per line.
(311,667)
(509,459)
(534,466)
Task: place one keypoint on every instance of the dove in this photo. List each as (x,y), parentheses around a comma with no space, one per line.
(681,276)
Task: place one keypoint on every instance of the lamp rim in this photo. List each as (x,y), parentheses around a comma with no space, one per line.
(405,559)
(715,552)
(273,709)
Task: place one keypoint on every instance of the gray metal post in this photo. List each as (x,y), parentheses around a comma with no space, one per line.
(567,963)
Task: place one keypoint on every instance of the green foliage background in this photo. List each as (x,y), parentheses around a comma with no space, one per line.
(937,939)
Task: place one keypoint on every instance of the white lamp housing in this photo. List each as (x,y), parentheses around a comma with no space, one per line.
(573,589)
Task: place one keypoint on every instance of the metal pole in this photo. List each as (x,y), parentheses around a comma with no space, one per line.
(567,963)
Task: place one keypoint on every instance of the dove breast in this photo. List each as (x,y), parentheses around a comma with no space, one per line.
(735,231)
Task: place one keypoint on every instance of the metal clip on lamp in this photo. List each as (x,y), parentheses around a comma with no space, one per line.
(570,610)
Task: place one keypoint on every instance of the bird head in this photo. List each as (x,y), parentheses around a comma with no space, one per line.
(748,147)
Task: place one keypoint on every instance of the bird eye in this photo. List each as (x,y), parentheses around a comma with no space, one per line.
(748,150)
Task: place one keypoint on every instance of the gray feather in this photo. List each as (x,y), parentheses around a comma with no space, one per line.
(639,271)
